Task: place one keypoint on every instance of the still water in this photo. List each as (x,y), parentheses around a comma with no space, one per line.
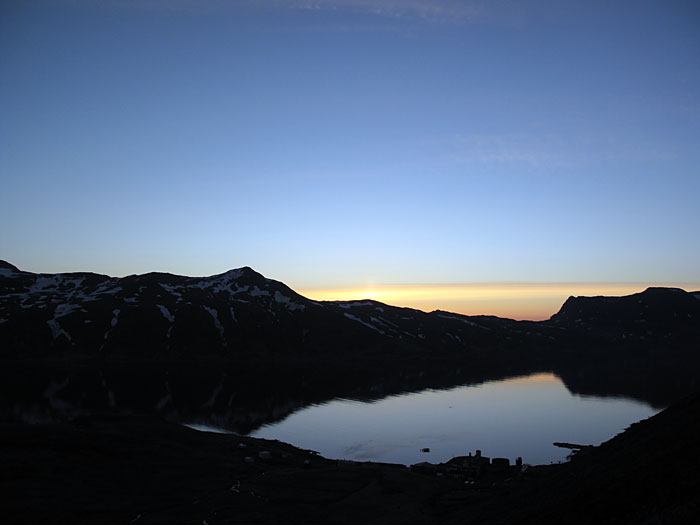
(514,417)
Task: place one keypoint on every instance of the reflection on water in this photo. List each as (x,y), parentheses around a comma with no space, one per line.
(221,395)
(309,405)
(520,416)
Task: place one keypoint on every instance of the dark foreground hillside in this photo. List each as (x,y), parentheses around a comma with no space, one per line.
(647,474)
(126,469)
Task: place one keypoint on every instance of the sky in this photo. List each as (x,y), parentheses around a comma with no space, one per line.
(341,145)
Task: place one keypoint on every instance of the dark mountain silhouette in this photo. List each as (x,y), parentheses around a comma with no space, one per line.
(241,312)
(231,314)
(4,265)
(656,314)
(643,345)
(646,345)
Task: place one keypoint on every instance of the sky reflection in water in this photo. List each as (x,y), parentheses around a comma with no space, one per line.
(520,416)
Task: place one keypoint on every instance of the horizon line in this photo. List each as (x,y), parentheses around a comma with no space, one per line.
(519,301)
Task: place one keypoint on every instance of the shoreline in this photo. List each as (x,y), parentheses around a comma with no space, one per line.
(121,469)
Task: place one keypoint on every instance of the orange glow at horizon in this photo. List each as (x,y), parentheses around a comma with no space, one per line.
(533,301)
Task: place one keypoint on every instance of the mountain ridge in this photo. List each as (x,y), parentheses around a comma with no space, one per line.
(233,303)
(242,311)
(252,273)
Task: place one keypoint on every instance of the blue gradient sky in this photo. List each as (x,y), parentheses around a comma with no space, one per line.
(353,142)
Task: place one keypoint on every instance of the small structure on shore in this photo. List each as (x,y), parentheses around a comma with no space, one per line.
(470,468)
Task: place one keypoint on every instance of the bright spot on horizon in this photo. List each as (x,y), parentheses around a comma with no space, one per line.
(521,301)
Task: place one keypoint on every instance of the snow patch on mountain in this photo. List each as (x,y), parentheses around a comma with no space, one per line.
(352,304)
(283,299)
(215,316)
(113,323)
(166,313)
(256,292)
(173,290)
(465,321)
(368,325)
(56,330)
(41,283)
(239,289)
(383,321)
(230,275)
(104,288)
(64,309)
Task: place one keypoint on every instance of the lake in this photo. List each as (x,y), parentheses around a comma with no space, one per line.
(363,414)
(520,416)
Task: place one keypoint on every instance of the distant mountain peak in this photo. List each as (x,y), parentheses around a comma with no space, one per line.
(656,314)
(4,265)
(245,273)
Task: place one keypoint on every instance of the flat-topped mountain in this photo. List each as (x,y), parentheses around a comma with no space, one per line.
(655,313)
